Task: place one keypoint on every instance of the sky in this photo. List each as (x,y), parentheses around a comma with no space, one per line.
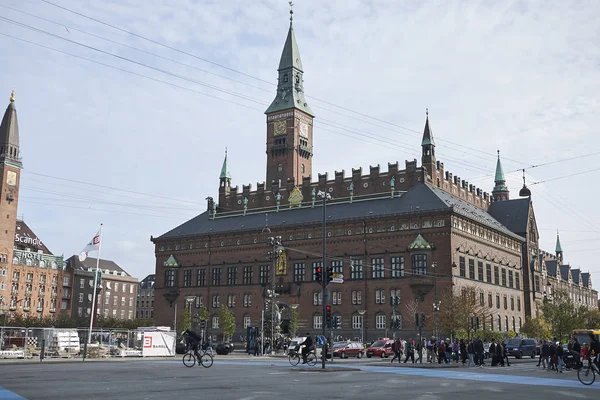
(126,111)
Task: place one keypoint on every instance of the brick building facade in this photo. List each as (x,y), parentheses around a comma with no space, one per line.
(145,298)
(415,232)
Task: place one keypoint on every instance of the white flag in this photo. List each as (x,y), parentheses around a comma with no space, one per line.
(93,245)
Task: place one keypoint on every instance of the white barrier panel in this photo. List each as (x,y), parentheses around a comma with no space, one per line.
(159,344)
(12,354)
(130,353)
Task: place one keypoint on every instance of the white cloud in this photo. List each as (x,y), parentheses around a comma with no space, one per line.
(521,77)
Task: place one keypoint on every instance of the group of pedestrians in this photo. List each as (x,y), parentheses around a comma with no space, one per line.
(408,348)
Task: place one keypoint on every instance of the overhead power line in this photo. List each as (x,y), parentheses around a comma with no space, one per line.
(129,32)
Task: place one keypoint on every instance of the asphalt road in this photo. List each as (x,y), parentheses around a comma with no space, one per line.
(268,378)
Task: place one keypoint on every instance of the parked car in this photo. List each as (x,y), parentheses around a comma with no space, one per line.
(519,347)
(348,349)
(380,348)
(223,349)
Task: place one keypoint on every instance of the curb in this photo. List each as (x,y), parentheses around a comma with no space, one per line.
(331,369)
(419,366)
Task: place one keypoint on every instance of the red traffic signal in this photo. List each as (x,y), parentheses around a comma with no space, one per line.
(328,308)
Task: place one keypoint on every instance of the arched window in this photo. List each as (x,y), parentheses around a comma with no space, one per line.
(520,324)
(499,323)
(317,321)
(506,323)
(514,327)
(380,321)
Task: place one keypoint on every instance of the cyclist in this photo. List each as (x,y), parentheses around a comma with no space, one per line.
(308,346)
(193,340)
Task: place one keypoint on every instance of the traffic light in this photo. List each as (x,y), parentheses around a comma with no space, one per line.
(417,319)
(329,274)
(395,301)
(319,274)
(335,322)
(422,320)
(328,315)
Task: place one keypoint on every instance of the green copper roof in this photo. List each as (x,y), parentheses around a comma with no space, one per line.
(420,244)
(225,174)
(499,178)
(499,171)
(290,86)
(290,57)
(558,246)
(171,262)
(427,135)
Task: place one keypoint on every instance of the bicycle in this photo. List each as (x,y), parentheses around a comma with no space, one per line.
(591,367)
(189,359)
(295,357)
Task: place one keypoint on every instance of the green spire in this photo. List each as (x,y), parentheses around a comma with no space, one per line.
(558,249)
(499,171)
(290,87)
(225,174)
(427,135)
(500,191)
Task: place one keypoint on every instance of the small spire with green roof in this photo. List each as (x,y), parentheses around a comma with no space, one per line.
(500,191)
(558,250)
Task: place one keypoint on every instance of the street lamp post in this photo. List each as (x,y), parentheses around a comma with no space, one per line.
(294,308)
(362,322)
(275,243)
(325,196)
(436,303)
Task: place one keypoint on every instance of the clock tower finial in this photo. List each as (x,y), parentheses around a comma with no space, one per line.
(289,119)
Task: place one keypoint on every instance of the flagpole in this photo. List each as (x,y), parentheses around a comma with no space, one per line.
(95,284)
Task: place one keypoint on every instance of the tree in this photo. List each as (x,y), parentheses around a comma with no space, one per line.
(294,323)
(536,328)
(561,314)
(462,313)
(204,314)
(185,321)
(227,322)
(410,308)
(589,319)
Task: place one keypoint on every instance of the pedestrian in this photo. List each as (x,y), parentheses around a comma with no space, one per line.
(419,349)
(545,352)
(505,354)
(559,357)
(471,353)
(409,350)
(396,349)
(430,348)
(463,351)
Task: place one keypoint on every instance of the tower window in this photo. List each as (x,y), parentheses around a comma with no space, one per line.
(285,78)
(302,168)
(280,167)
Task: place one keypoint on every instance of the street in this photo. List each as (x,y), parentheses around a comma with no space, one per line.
(246,377)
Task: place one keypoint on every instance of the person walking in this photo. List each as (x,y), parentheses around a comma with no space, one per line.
(559,357)
(471,353)
(545,352)
(410,351)
(419,349)
(396,346)
(505,354)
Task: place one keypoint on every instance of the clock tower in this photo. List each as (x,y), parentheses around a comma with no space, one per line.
(289,121)
(10,171)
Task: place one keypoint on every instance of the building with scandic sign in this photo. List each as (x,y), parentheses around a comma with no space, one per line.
(412,232)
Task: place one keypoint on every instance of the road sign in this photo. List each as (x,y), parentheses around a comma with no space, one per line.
(320,340)
(337,280)
(338,276)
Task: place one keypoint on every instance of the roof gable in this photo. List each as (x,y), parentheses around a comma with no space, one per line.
(513,214)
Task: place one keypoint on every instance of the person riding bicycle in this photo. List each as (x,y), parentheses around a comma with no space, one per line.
(193,340)
(308,346)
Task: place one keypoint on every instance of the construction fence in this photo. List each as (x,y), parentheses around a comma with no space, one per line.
(24,343)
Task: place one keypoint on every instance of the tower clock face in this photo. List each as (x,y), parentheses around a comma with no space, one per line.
(11,178)
(279,128)
(303,127)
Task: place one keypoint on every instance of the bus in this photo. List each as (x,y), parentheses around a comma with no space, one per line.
(583,335)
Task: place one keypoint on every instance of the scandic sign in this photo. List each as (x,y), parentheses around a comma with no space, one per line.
(28,240)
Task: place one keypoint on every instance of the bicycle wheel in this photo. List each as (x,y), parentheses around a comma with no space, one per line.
(206,360)
(311,359)
(586,375)
(294,359)
(189,360)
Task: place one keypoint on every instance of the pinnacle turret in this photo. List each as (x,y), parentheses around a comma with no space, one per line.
(9,135)
(500,191)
